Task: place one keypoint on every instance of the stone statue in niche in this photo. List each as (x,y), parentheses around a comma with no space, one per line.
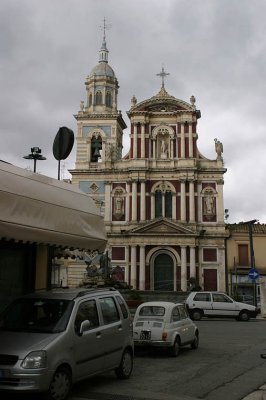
(209,204)
(119,204)
(163,149)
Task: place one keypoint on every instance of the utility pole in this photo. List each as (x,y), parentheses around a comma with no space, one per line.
(252,256)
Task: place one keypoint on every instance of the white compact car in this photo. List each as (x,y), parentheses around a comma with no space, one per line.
(164,324)
(217,304)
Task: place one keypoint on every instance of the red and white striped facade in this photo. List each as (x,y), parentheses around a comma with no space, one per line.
(163,201)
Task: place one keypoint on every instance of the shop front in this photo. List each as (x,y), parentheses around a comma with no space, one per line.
(39,215)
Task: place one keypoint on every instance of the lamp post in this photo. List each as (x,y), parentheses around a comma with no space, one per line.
(35,155)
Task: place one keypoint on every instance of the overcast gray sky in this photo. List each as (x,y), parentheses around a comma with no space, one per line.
(213,49)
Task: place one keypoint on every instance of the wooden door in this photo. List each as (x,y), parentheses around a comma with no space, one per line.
(210,279)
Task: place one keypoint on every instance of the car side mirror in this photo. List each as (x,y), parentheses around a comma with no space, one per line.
(84,326)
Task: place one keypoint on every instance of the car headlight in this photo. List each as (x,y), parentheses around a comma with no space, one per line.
(34,360)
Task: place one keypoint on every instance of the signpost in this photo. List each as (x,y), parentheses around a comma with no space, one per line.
(253,274)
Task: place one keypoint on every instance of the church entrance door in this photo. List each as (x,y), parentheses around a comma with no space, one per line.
(163,272)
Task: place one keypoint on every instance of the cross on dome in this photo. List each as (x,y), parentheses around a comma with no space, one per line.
(104,28)
(163,74)
(103,50)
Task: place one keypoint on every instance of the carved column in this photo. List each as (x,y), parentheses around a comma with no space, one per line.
(107,212)
(142,149)
(191,202)
(174,206)
(183,268)
(182,141)
(133,280)
(190,141)
(143,201)
(199,200)
(154,148)
(192,262)
(127,200)
(89,150)
(152,197)
(171,148)
(135,141)
(142,268)
(103,151)
(220,202)
(183,201)
(127,264)
(134,201)
(163,204)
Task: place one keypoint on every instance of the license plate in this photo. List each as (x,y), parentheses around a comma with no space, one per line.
(145,335)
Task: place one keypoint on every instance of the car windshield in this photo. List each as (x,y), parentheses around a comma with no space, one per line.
(36,315)
(149,311)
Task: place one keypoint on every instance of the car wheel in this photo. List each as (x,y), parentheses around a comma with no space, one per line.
(175,349)
(244,315)
(126,365)
(195,343)
(196,314)
(60,385)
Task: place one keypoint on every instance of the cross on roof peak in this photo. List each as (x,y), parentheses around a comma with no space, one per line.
(105,27)
(163,74)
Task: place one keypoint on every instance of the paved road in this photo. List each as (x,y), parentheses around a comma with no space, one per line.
(227,365)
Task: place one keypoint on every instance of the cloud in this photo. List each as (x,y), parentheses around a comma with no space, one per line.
(215,50)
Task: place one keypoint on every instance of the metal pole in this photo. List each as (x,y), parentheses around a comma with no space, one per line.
(58,175)
(252,259)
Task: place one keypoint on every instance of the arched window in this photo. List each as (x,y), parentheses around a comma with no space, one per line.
(90,99)
(96,146)
(108,100)
(99,98)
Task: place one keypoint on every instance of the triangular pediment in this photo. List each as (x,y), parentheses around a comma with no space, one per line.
(163,226)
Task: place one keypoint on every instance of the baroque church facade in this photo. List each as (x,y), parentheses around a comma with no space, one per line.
(162,202)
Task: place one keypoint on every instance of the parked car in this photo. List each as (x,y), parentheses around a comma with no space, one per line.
(166,325)
(49,340)
(217,304)
(247,298)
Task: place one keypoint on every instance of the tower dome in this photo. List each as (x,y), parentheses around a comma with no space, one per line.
(103,68)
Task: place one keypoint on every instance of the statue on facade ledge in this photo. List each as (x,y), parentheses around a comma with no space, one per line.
(218,148)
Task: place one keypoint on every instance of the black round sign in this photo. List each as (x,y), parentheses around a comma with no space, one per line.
(63,143)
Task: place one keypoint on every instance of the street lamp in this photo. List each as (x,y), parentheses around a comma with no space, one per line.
(35,155)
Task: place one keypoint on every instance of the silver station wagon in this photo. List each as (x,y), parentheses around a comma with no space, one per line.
(49,340)
(164,324)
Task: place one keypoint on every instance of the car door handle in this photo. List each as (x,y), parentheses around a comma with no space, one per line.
(120,327)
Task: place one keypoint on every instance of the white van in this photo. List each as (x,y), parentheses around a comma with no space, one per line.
(49,340)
